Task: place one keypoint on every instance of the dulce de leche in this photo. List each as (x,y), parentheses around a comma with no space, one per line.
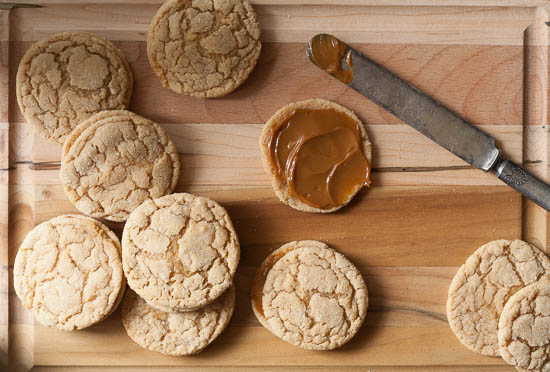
(318,152)
(331,55)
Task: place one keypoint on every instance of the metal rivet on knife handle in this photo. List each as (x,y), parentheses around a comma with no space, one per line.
(422,112)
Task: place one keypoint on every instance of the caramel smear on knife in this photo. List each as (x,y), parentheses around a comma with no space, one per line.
(319,155)
(330,54)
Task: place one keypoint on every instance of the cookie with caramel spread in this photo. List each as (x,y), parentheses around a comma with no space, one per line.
(310,296)
(317,154)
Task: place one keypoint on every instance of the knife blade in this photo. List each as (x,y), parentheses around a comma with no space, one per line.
(422,112)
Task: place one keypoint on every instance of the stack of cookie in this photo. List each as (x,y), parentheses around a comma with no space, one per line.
(499,304)
(73,88)
(68,271)
(179,253)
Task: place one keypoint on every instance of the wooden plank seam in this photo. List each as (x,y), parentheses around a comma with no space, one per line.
(4,176)
(536,133)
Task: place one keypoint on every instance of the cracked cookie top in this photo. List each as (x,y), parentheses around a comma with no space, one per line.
(68,272)
(481,287)
(66,78)
(179,251)
(524,328)
(114,161)
(176,333)
(258,282)
(204,48)
(313,297)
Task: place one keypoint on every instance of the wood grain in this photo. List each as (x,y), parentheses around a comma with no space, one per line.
(21,327)
(397,318)
(387,3)
(384,226)
(536,221)
(4,187)
(408,234)
(460,76)
(369,368)
(416,345)
(228,154)
(290,21)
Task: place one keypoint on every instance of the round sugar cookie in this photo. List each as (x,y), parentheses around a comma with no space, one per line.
(312,297)
(280,185)
(68,271)
(524,328)
(65,78)
(179,251)
(116,160)
(204,48)
(481,287)
(258,282)
(176,333)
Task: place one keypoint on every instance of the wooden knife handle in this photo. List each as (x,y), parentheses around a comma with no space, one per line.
(524,182)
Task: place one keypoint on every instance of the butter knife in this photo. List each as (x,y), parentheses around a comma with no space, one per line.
(423,113)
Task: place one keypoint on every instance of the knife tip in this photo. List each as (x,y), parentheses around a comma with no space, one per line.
(315,41)
(331,55)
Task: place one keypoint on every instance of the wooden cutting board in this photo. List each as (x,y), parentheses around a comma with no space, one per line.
(426,212)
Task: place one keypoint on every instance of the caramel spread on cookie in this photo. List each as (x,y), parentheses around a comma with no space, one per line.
(329,53)
(319,155)
(259,280)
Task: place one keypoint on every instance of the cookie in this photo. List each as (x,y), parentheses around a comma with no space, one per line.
(204,48)
(258,282)
(481,287)
(317,155)
(68,271)
(116,160)
(178,333)
(64,79)
(524,328)
(179,251)
(312,297)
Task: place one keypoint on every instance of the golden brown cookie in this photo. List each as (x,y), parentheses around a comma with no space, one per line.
(68,271)
(258,282)
(312,296)
(483,285)
(114,161)
(322,156)
(64,79)
(524,328)
(204,48)
(179,251)
(177,333)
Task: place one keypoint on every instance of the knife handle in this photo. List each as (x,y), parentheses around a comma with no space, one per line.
(524,182)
